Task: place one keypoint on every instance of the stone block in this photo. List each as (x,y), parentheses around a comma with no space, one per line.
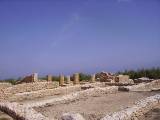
(76,78)
(49,78)
(61,80)
(68,79)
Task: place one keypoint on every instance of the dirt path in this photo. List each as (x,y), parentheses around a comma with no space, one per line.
(96,107)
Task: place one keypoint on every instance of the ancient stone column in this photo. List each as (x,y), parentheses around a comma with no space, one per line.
(35,77)
(93,78)
(68,79)
(61,80)
(76,78)
(49,78)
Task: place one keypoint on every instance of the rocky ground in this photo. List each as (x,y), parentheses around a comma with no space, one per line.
(153,114)
(95,107)
(4,116)
(91,103)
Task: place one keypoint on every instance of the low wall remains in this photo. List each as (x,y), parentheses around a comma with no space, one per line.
(133,113)
(4,85)
(143,86)
(97,91)
(44,93)
(51,92)
(25,87)
(20,112)
(28,87)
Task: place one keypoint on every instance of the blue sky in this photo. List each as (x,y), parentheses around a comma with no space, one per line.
(67,36)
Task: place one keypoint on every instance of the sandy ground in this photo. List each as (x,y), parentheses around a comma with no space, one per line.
(95,107)
(4,116)
(153,114)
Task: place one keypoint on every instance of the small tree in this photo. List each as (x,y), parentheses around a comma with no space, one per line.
(84,77)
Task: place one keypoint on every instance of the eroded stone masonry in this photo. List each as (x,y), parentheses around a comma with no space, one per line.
(105,96)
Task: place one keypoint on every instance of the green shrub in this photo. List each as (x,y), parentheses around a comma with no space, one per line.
(152,73)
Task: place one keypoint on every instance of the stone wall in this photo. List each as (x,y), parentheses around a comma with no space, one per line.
(133,113)
(105,77)
(25,87)
(4,85)
(44,93)
(50,92)
(20,112)
(122,79)
(75,96)
(28,87)
(144,86)
(29,79)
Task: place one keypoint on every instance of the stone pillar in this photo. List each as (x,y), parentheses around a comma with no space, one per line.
(68,79)
(61,80)
(93,78)
(35,77)
(76,78)
(49,78)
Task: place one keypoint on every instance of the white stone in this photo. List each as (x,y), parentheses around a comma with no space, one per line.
(72,116)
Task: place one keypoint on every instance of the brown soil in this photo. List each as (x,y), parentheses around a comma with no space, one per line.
(95,107)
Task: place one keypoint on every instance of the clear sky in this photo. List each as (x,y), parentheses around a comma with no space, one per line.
(67,36)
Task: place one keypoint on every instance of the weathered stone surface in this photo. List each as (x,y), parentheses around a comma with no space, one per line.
(72,116)
(61,80)
(144,86)
(25,87)
(4,85)
(35,77)
(68,79)
(49,78)
(20,112)
(122,79)
(93,78)
(45,92)
(76,78)
(29,79)
(132,113)
(75,96)
(105,77)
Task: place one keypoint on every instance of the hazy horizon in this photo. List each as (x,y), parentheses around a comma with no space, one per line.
(59,36)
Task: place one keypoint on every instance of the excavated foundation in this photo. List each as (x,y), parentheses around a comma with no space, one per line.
(91,101)
(94,107)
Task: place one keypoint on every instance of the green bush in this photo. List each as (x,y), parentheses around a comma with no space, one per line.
(152,73)
(55,78)
(11,80)
(84,77)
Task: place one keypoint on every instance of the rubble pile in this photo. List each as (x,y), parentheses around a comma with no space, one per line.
(112,78)
(105,77)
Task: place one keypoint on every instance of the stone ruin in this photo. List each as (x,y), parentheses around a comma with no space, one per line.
(29,79)
(68,80)
(63,81)
(105,77)
(49,78)
(76,78)
(112,78)
(123,79)
(93,78)
(30,88)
